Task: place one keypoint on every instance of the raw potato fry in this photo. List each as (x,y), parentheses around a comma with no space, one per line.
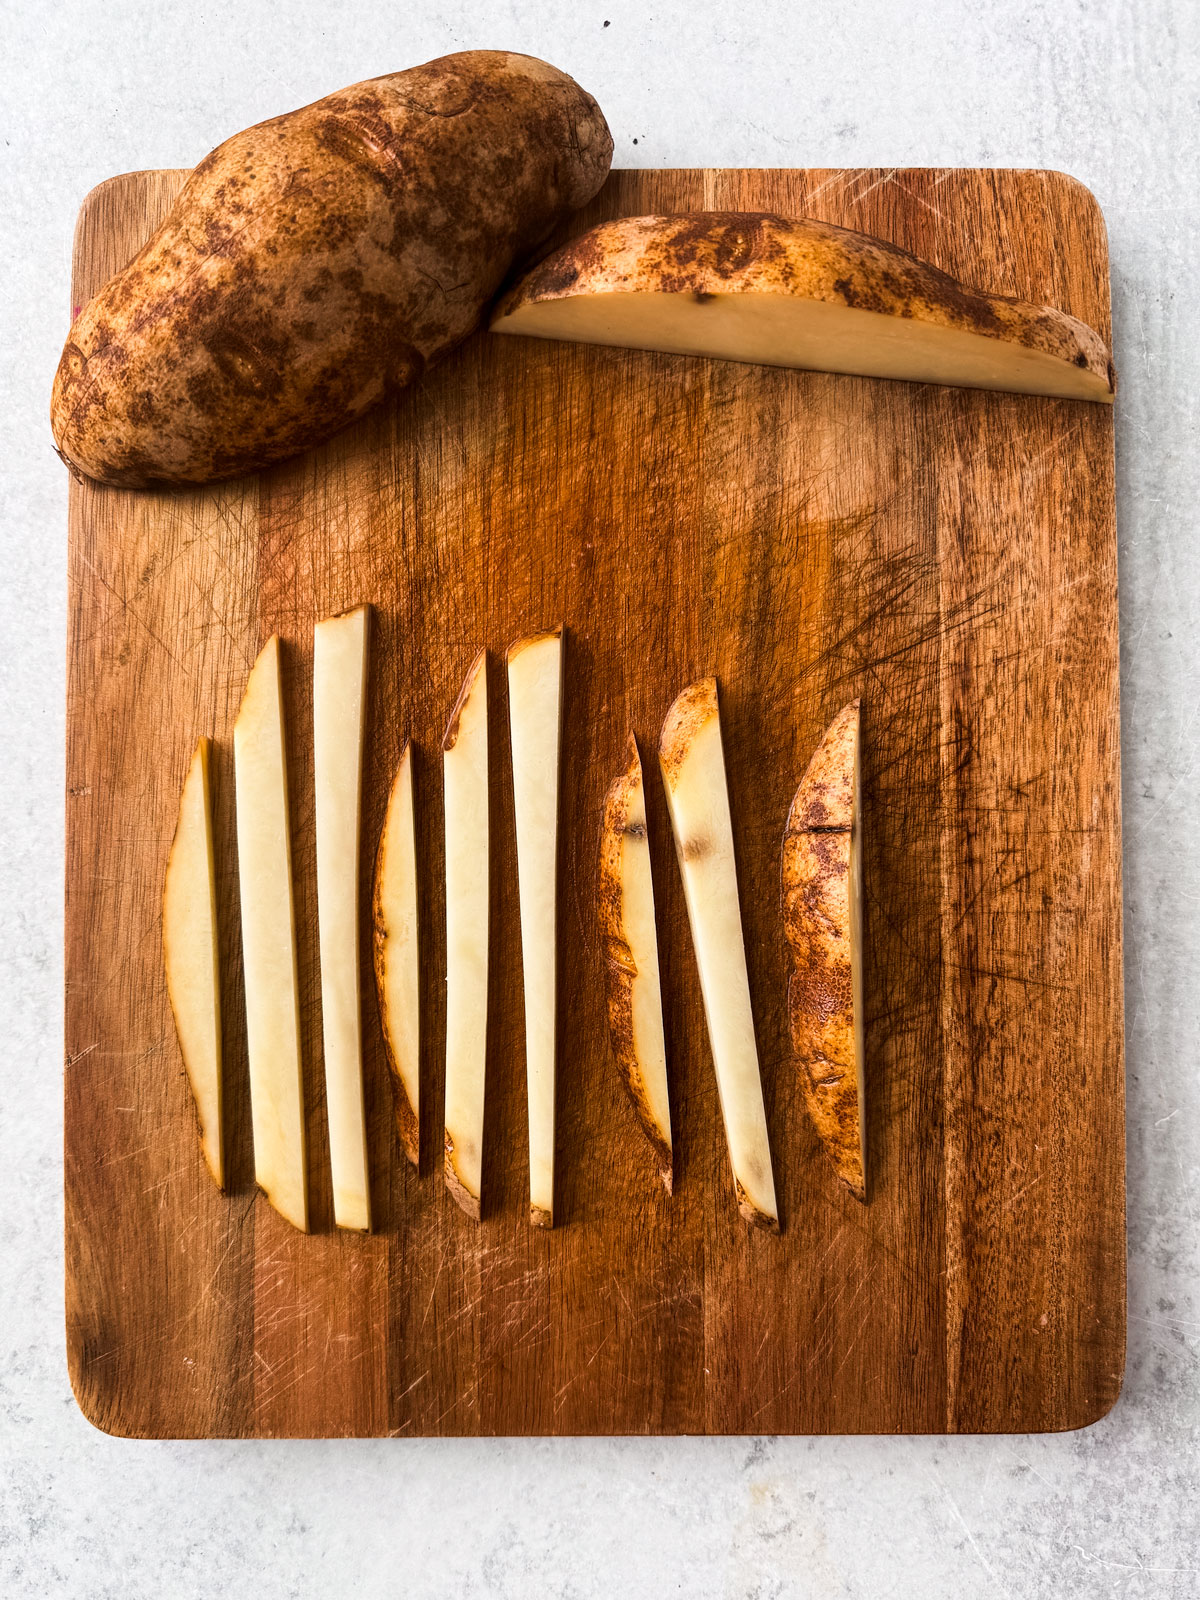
(339,718)
(397,965)
(692,759)
(630,942)
(191,954)
(750,286)
(822,919)
(535,686)
(269,941)
(316,264)
(465,786)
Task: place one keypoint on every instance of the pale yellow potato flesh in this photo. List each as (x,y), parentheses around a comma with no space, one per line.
(783,331)
(629,935)
(535,687)
(269,941)
(777,291)
(340,647)
(692,759)
(465,792)
(397,955)
(191,955)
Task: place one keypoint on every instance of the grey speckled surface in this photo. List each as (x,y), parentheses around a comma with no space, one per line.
(1108,91)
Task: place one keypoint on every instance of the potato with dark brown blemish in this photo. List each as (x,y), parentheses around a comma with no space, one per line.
(317,263)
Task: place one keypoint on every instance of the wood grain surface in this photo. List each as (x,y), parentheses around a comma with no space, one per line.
(948,556)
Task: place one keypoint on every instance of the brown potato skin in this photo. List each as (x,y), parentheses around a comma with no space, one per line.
(689,711)
(816,921)
(704,253)
(317,263)
(463,1197)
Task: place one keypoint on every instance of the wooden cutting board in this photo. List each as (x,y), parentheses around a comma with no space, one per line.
(948,556)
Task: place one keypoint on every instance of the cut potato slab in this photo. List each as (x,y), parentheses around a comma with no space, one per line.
(629,939)
(692,759)
(535,686)
(750,286)
(269,941)
(191,954)
(465,788)
(822,919)
(339,717)
(397,963)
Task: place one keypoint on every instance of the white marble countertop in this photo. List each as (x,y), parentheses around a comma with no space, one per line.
(1110,93)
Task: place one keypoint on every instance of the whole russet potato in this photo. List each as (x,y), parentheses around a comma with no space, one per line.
(319,262)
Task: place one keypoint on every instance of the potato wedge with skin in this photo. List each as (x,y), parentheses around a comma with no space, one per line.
(822,920)
(191,955)
(754,287)
(315,264)
(629,939)
(692,759)
(397,955)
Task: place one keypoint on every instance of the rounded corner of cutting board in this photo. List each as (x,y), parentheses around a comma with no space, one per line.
(1096,1408)
(101,1409)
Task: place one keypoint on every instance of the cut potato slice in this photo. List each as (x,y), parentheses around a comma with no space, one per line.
(191,954)
(630,941)
(397,965)
(339,717)
(822,919)
(693,768)
(269,941)
(749,286)
(465,779)
(535,677)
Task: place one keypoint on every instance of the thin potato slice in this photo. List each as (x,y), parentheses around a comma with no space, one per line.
(191,954)
(465,784)
(397,957)
(339,718)
(535,687)
(630,942)
(269,941)
(692,759)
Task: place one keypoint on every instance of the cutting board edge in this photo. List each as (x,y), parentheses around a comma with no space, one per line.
(114,1425)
